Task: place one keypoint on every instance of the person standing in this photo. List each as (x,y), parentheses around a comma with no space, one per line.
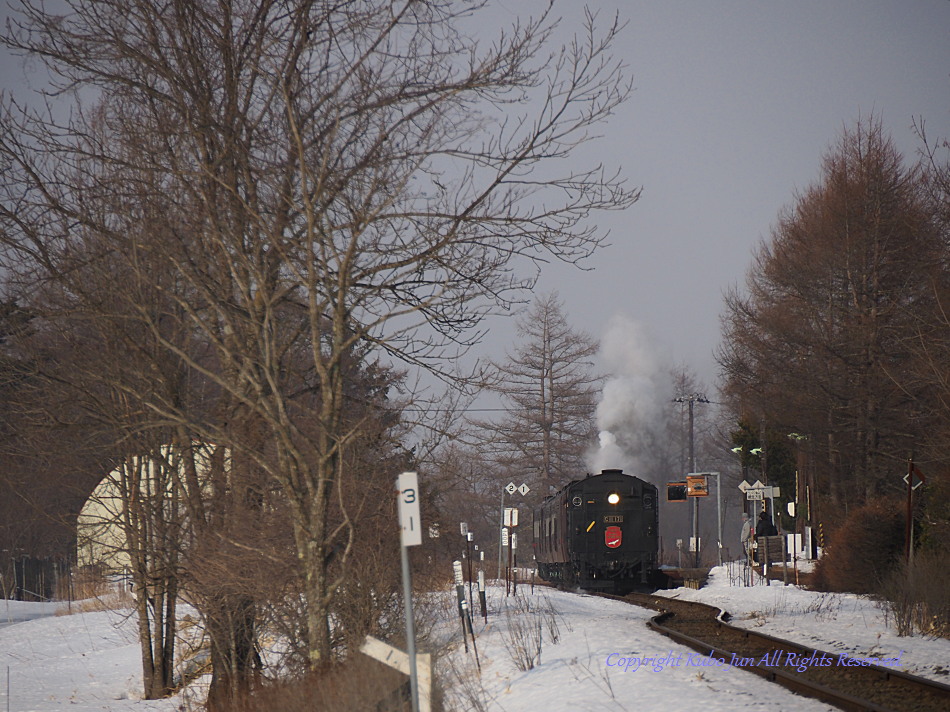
(765,526)
(745,536)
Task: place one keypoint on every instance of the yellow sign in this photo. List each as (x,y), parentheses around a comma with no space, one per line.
(696,486)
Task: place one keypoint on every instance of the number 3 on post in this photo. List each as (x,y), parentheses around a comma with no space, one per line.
(410,522)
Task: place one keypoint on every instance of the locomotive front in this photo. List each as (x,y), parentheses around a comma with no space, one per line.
(600,533)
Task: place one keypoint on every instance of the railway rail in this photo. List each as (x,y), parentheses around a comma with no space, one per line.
(849,687)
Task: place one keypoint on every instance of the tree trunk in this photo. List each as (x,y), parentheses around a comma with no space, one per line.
(234,658)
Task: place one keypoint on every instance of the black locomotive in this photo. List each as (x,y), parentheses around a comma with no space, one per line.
(599,533)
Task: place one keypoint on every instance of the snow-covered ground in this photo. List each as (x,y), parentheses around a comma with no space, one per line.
(835,622)
(589,669)
(592,654)
(81,662)
(600,661)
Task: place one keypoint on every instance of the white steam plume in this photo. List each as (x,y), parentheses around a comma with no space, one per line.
(629,411)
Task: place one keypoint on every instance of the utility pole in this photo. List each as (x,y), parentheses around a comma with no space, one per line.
(690,399)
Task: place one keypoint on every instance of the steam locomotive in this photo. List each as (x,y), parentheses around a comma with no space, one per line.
(599,533)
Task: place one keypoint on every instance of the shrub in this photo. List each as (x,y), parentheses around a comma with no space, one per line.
(355,685)
(522,632)
(916,595)
(864,550)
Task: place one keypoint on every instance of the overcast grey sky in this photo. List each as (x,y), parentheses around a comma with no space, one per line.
(735,101)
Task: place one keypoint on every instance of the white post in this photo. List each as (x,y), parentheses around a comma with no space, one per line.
(719,512)
(425,682)
(407,486)
(410,628)
(501,528)
(398,660)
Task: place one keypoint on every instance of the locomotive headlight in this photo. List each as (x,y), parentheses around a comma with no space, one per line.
(613,498)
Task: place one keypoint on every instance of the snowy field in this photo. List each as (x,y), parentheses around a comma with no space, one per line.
(594,665)
(89,661)
(835,622)
(81,662)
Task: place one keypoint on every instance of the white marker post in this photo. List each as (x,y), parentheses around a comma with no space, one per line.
(398,660)
(410,522)
(510,488)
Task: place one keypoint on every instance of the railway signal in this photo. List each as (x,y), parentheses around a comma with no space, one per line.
(676,492)
(698,486)
(691,399)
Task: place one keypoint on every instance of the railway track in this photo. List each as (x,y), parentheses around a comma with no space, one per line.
(804,670)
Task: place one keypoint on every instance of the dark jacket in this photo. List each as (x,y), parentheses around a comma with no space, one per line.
(765,527)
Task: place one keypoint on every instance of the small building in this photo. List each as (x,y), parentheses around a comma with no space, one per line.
(141,495)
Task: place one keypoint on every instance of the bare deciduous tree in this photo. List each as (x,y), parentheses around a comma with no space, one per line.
(328,184)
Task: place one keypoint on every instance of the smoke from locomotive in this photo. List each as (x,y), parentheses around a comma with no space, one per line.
(599,533)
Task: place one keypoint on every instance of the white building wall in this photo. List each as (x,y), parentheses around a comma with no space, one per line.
(100,534)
